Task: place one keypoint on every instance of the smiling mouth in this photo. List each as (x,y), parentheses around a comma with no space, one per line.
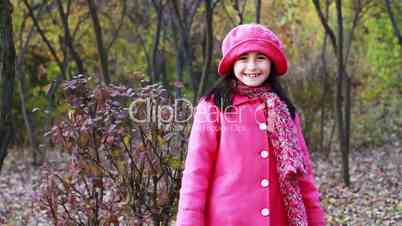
(251,75)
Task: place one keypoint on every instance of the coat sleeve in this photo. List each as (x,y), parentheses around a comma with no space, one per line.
(309,191)
(199,164)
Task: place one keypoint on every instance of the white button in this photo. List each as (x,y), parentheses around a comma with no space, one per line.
(270,103)
(264,154)
(265,212)
(265,183)
(263,126)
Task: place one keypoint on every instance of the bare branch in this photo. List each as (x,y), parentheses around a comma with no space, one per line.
(121,21)
(395,27)
(68,39)
(103,56)
(44,38)
(324,22)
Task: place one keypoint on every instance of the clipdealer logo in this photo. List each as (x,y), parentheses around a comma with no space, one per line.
(143,110)
(160,113)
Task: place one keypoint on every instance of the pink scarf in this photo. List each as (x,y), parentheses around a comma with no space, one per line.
(282,135)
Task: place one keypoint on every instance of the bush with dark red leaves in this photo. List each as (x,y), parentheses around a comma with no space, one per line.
(125,149)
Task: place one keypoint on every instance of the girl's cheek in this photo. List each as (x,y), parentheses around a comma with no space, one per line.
(238,67)
(265,65)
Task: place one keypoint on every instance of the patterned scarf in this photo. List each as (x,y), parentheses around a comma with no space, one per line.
(282,135)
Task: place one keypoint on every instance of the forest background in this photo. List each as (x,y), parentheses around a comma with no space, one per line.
(70,155)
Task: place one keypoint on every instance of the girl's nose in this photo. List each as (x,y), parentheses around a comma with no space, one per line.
(251,65)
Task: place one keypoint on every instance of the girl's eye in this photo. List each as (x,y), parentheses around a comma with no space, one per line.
(261,57)
(242,58)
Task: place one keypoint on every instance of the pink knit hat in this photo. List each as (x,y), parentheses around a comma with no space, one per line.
(252,37)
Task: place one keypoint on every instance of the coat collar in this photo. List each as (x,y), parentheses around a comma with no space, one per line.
(240,99)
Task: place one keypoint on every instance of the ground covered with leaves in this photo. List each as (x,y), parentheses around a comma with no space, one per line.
(374,198)
(375,195)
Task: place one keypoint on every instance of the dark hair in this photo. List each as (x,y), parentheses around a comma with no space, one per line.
(221,92)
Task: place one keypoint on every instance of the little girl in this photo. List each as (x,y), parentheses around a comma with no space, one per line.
(247,162)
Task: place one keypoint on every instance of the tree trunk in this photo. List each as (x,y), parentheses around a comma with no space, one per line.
(208,48)
(236,6)
(103,55)
(7,74)
(36,154)
(161,61)
(155,68)
(342,129)
(325,24)
(179,72)
(45,39)
(181,24)
(179,63)
(257,11)
(348,117)
(324,72)
(324,85)
(343,107)
(68,41)
(62,65)
(395,27)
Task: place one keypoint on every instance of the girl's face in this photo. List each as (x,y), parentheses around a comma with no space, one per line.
(252,68)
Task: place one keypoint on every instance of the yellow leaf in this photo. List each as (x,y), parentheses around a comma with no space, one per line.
(71,114)
(115,153)
(126,140)
(121,165)
(161,140)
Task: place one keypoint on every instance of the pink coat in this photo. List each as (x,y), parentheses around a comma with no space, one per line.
(230,176)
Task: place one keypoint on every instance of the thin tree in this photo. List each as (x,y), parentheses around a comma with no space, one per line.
(183,13)
(343,94)
(343,131)
(102,52)
(61,63)
(68,39)
(337,44)
(397,32)
(115,33)
(155,68)
(7,75)
(257,11)
(22,88)
(209,32)
(239,9)
(324,73)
